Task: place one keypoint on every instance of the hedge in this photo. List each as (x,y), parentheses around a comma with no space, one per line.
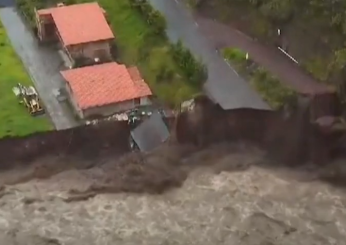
(27,8)
(153,17)
(194,70)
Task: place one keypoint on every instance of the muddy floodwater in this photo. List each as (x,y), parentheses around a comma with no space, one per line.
(221,195)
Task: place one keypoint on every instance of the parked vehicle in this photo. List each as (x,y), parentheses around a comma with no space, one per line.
(29,97)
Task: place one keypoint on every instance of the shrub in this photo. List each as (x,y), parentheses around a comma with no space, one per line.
(237,57)
(318,68)
(27,8)
(194,70)
(271,89)
(164,74)
(234,54)
(156,20)
(153,17)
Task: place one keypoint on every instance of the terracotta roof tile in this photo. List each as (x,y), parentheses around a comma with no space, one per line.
(104,84)
(138,80)
(80,23)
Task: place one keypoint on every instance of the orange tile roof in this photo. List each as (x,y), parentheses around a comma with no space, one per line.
(105,84)
(138,80)
(80,23)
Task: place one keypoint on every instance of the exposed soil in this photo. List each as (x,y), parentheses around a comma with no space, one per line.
(226,194)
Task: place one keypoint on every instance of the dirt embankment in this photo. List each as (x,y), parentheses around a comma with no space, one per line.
(83,142)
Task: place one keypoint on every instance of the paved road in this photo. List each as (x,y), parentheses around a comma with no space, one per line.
(224,85)
(42,64)
(224,36)
(6,3)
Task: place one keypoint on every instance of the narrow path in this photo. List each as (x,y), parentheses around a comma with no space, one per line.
(286,70)
(42,64)
(223,85)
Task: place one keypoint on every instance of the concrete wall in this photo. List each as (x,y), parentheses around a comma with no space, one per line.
(90,50)
(84,141)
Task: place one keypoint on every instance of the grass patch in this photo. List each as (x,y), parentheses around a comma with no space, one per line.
(14,119)
(268,86)
(318,68)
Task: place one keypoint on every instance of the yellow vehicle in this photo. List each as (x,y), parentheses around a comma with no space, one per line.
(29,97)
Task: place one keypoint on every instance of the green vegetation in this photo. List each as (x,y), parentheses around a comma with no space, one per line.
(237,57)
(315,30)
(317,67)
(27,8)
(15,120)
(279,12)
(141,40)
(152,16)
(195,71)
(270,88)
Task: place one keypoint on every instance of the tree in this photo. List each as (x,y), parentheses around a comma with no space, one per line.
(194,70)
(278,10)
(156,19)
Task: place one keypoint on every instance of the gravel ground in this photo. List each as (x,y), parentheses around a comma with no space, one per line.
(226,199)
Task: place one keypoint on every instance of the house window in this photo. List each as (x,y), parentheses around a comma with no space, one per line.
(137,101)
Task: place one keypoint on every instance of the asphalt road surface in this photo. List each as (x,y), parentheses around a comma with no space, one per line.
(43,65)
(6,3)
(223,85)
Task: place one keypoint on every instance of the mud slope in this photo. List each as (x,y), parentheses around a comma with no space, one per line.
(225,198)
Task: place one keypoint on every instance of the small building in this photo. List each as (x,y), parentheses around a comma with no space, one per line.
(105,89)
(151,133)
(81,29)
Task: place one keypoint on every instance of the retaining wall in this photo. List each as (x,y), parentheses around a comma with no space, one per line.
(85,141)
